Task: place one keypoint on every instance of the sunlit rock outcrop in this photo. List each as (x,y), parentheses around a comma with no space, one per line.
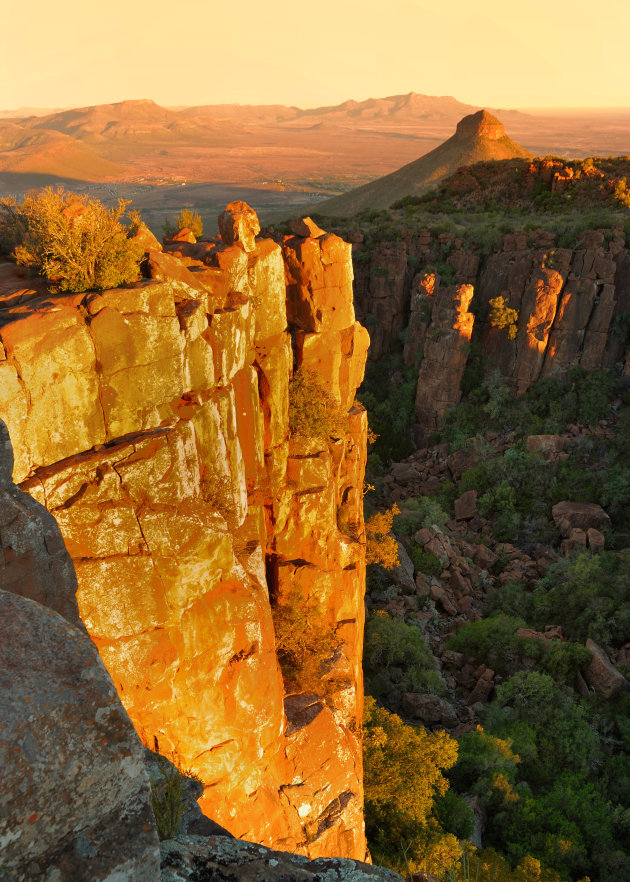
(152,422)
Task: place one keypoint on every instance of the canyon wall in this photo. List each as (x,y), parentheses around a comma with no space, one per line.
(572,304)
(152,423)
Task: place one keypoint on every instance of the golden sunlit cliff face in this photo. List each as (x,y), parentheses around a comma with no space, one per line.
(152,421)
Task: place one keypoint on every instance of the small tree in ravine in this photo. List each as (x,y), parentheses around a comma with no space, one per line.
(381,546)
(503,316)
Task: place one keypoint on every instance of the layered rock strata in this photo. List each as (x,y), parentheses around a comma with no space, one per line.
(152,422)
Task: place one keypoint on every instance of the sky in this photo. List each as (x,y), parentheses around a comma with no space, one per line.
(493,53)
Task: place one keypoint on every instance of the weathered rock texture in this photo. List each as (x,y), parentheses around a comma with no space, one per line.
(571,303)
(152,422)
(225,860)
(33,559)
(74,803)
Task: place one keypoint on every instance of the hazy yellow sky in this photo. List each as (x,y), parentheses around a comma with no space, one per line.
(497,53)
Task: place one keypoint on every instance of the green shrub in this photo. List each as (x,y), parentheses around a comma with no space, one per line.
(403,768)
(493,641)
(425,561)
(481,759)
(589,595)
(313,412)
(190,220)
(416,513)
(548,729)
(168,798)
(390,642)
(74,242)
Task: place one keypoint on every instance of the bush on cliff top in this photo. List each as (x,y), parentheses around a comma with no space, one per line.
(74,242)
(313,412)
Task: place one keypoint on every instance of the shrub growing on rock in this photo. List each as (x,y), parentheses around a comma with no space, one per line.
(313,412)
(168,798)
(503,316)
(74,242)
(305,643)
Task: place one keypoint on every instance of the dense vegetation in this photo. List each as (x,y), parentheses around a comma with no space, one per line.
(549,764)
(550,767)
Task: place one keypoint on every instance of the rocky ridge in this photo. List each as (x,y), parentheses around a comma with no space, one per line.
(152,422)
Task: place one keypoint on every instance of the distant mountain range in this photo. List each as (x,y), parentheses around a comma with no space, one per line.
(349,143)
(479,137)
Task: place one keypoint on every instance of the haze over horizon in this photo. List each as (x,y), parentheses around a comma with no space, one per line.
(492,55)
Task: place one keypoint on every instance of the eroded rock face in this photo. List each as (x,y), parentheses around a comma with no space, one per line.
(75,801)
(444,328)
(567,300)
(152,422)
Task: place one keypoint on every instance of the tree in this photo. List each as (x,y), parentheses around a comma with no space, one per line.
(74,242)
(503,316)
(402,774)
(190,220)
(381,547)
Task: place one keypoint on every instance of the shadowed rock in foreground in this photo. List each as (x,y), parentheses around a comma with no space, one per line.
(221,859)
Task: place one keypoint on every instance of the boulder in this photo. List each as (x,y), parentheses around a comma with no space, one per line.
(601,675)
(569,516)
(144,237)
(466,506)
(75,800)
(595,539)
(239,225)
(484,557)
(403,573)
(306,227)
(183,235)
(549,446)
(429,709)
(483,689)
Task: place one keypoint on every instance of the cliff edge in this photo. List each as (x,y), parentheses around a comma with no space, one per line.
(152,422)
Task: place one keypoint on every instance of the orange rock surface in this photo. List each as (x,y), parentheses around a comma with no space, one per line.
(152,421)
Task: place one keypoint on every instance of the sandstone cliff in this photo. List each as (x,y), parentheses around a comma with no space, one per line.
(571,306)
(152,422)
